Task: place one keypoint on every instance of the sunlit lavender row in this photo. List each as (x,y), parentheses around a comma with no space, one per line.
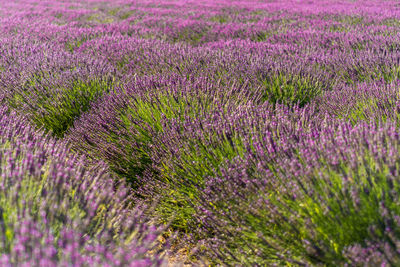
(222,133)
(57,211)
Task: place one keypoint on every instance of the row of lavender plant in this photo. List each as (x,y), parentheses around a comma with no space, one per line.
(306,192)
(173,143)
(56,209)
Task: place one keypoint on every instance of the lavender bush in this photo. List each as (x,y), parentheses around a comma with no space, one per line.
(55,210)
(329,204)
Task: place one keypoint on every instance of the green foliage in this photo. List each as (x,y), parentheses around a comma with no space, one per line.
(290,89)
(391,22)
(190,35)
(114,11)
(338,28)
(337,207)
(59,15)
(146,118)
(358,73)
(353,20)
(125,15)
(220,18)
(365,110)
(142,120)
(344,206)
(187,172)
(361,112)
(74,44)
(388,73)
(261,36)
(101,20)
(56,109)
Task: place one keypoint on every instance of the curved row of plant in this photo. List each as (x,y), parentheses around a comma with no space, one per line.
(57,209)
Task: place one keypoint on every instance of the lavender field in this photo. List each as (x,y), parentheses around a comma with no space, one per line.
(199,133)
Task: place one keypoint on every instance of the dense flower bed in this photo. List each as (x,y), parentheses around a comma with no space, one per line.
(261,132)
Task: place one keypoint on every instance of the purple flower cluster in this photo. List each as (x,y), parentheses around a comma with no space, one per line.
(58,209)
